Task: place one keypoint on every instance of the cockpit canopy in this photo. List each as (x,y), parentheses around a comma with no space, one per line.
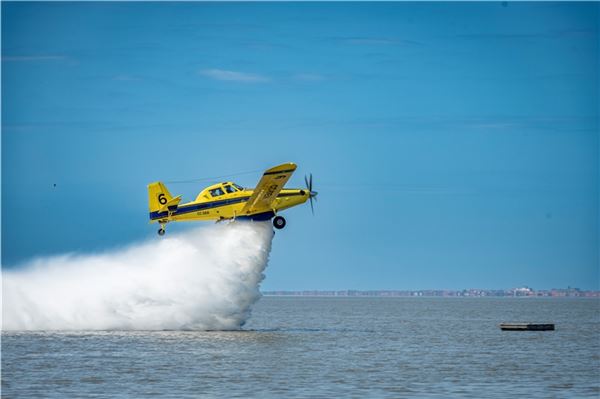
(219,189)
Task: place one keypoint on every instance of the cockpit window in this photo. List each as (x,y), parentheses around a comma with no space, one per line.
(216,192)
(238,187)
(229,189)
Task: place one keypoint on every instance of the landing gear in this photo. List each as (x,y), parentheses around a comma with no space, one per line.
(162,231)
(279,222)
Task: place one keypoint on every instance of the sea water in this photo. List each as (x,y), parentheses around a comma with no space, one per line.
(326,347)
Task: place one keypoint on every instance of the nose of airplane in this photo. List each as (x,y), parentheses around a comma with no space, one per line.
(311,194)
(308,194)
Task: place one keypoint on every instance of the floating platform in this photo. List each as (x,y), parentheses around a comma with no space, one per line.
(526,327)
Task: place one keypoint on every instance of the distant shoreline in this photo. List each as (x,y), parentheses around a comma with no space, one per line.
(524,292)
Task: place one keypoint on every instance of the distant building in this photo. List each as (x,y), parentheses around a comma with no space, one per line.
(523,291)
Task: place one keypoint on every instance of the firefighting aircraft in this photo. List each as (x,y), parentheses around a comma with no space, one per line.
(223,201)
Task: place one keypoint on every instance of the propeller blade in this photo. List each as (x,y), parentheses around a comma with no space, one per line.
(308,181)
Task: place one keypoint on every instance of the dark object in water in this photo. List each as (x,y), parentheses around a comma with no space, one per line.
(526,327)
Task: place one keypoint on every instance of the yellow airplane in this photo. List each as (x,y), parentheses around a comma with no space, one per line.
(227,200)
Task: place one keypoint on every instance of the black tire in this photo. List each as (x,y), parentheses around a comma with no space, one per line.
(279,222)
(161,232)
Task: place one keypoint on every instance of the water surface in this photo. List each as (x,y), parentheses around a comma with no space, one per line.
(317,347)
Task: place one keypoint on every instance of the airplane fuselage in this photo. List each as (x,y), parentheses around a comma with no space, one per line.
(229,206)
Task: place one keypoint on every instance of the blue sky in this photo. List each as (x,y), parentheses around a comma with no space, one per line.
(453,145)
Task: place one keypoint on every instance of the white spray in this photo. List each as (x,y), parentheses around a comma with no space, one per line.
(204,279)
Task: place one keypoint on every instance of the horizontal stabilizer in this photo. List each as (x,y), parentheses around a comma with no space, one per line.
(171,204)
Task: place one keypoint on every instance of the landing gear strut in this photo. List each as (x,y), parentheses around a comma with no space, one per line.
(279,222)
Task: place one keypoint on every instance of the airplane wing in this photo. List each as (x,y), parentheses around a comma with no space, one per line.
(268,187)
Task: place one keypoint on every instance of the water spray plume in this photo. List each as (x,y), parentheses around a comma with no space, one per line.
(205,279)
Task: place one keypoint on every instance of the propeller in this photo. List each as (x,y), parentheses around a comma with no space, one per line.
(312,194)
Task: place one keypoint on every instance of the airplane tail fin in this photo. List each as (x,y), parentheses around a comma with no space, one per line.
(160,199)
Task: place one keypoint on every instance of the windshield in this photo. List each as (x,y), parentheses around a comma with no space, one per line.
(238,187)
